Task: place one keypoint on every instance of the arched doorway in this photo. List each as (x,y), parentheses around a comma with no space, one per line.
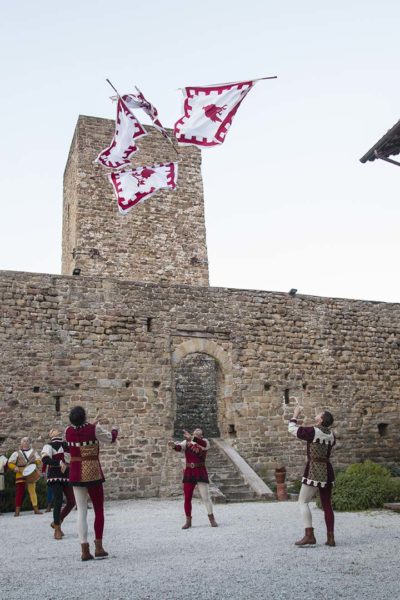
(197,383)
(203,384)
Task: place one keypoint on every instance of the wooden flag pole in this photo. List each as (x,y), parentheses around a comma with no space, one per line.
(166,134)
(130,112)
(230,82)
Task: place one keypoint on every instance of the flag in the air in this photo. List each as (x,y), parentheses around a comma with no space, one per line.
(122,147)
(208,112)
(139,101)
(137,185)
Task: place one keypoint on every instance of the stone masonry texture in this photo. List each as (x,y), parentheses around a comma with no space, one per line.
(87,340)
(160,240)
(140,339)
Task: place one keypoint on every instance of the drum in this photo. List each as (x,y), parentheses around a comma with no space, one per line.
(31,474)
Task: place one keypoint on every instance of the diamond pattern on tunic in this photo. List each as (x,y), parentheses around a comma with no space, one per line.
(318,471)
(90,464)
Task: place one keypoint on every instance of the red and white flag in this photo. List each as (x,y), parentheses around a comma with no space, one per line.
(122,147)
(139,101)
(137,185)
(209,111)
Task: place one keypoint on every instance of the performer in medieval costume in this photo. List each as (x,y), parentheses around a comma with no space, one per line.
(25,457)
(86,475)
(3,466)
(318,474)
(195,473)
(55,456)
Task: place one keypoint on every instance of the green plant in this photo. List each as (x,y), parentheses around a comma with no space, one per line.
(394,470)
(294,487)
(363,486)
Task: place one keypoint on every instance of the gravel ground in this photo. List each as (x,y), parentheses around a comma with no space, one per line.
(249,557)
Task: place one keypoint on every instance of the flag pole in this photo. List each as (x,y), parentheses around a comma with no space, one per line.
(115,89)
(166,134)
(231,82)
(131,113)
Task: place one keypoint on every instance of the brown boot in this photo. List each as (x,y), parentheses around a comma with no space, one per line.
(308,539)
(86,552)
(212,520)
(99,550)
(57,532)
(54,526)
(36,510)
(331,539)
(188,523)
(17,511)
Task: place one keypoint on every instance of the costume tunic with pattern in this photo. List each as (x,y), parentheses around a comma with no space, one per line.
(195,454)
(320,441)
(20,459)
(83,445)
(53,454)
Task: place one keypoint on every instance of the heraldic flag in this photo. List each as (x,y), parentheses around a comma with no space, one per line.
(139,101)
(137,185)
(208,112)
(122,147)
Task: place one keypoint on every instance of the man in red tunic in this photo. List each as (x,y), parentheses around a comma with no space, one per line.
(86,475)
(318,474)
(195,473)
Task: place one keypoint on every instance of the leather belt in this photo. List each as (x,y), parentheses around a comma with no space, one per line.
(195,465)
(83,458)
(319,460)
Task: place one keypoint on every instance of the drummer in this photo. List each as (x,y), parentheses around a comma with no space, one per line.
(18,461)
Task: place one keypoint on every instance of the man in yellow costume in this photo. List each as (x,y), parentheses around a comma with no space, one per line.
(17,462)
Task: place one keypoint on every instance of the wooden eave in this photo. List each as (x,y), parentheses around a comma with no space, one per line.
(388,145)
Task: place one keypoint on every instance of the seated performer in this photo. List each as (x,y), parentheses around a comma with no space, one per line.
(3,465)
(195,473)
(17,462)
(55,456)
(318,474)
(86,475)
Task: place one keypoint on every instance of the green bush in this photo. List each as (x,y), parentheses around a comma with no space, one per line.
(394,470)
(295,486)
(9,493)
(363,486)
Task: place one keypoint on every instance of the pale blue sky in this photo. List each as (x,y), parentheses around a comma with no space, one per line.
(288,204)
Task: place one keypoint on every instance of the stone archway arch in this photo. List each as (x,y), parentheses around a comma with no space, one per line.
(211,348)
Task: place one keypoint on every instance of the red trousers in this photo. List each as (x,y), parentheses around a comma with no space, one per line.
(58,490)
(97,497)
(20,491)
(325,494)
(204,489)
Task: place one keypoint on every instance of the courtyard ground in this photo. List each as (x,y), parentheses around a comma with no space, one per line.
(249,557)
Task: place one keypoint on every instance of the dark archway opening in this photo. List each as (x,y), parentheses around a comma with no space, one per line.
(196,391)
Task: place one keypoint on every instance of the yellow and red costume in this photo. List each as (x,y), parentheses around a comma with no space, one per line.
(17,463)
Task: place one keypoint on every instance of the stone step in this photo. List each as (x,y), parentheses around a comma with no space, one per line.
(224,475)
(241,499)
(233,487)
(239,496)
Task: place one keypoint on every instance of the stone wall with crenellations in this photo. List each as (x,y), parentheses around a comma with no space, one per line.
(115,346)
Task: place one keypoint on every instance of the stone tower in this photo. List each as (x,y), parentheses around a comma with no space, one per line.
(161,240)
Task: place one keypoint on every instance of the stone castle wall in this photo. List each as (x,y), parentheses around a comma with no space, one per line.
(161,240)
(114,346)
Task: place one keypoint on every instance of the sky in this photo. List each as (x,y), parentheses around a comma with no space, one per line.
(288,204)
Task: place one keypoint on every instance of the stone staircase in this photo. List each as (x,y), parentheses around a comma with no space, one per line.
(231,486)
